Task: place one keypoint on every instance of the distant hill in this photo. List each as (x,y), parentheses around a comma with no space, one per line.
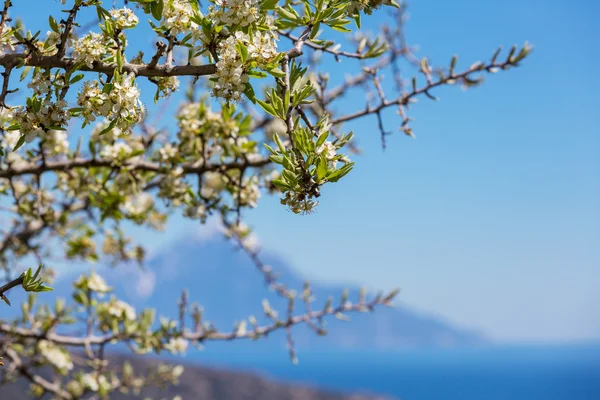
(230,289)
(202,383)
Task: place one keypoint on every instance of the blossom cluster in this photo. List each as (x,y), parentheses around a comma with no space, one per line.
(234,12)
(56,356)
(37,119)
(93,47)
(123,18)
(177,17)
(231,75)
(118,101)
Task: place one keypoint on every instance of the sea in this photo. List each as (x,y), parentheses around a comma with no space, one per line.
(516,372)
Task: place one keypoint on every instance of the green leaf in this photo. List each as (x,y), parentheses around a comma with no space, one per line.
(53,24)
(289,176)
(268,4)
(276,72)
(20,142)
(37,272)
(157,9)
(242,51)
(270,149)
(279,143)
(322,138)
(24,73)
(109,127)
(255,73)
(76,78)
(286,14)
(339,173)
(267,107)
(249,92)
(276,159)
(321,167)
(340,28)
(281,184)
(286,102)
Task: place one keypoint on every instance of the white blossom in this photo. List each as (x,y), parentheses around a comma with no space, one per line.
(117,151)
(95,382)
(94,282)
(212,184)
(120,103)
(177,16)
(123,18)
(92,47)
(177,345)
(55,355)
(167,85)
(231,76)
(34,123)
(235,12)
(116,309)
(90,382)
(56,141)
(329,150)
(139,204)
(167,152)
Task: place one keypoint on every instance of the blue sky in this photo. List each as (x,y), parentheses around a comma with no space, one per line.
(491,216)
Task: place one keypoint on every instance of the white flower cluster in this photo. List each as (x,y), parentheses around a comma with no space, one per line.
(262,46)
(92,47)
(7,40)
(298,203)
(231,77)
(95,382)
(167,152)
(330,152)
(56,356)
(107,137)
(367,6)
(36,121)
(177,16)
(167,85)
(196,118)
(9,140)
(231,80)
(234,12)
(177,346)
(41,83)
(212,184)
(250,192)
(52,38)
(122,102)
(117,151)
(139,204)
(123,18)
(116,309)
(93,282)
(56,141)
(122,151)
(173,186)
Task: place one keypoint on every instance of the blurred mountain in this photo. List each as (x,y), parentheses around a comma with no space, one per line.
(202,383)
(228,286)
